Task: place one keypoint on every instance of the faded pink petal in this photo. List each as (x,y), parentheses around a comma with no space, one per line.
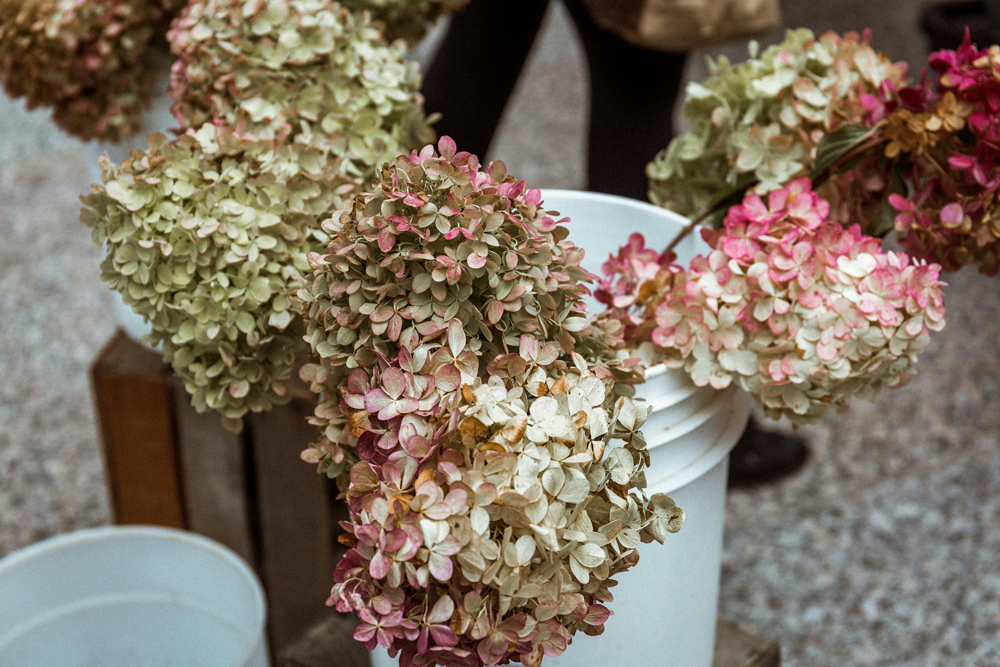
(440,567)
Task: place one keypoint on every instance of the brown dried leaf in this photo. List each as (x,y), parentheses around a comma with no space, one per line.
(514,429)
(359,423)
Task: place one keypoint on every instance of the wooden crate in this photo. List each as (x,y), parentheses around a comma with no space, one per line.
(167,465)
(329,643)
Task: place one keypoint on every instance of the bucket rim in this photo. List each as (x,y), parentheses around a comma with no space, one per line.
(66,541)
(586,195)
(716,405)
(737,413)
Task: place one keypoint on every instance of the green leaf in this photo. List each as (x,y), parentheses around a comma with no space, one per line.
(836,145)
(885,217)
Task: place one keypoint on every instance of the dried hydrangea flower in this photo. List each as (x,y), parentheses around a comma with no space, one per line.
(83,58)
(798,311)
(206,236)
(764,118)
(302,70)
(440,269)
(478,447)
(949,135)
(490,508)
(504,541)
(406,19)
(632,285)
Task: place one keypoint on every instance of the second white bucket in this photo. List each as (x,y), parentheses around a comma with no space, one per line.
(130,596)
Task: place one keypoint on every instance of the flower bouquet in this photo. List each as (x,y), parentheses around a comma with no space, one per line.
(490,455)
(920,160)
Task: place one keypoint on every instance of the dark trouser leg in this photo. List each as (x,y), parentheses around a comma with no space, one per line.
(475,70)
(632,93)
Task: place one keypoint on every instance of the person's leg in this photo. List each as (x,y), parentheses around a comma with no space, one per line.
(475,70)
(632,95)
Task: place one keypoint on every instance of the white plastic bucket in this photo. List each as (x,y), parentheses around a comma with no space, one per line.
(130,596)
(665,608)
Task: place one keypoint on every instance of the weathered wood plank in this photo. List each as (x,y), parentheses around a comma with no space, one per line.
(134,411)
(328,643)
(296,529)
(214,466)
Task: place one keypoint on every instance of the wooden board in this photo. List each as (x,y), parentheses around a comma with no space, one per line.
(168,465)
(214,477)
(296,527)
(330,643)
(134,412)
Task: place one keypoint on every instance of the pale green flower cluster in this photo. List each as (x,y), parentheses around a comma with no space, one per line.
(407,19)
(205,237)
(308,70)
(763,118)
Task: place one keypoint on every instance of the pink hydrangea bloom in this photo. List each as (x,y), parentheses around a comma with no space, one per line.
(465,408)
(815,315)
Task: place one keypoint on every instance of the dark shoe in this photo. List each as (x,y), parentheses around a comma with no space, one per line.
(764,456)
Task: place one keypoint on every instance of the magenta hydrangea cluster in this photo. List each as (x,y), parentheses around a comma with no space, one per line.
(797,310)
(951,129)
(493,470)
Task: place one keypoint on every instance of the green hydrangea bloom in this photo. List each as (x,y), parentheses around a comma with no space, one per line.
(304,69)
(765,117)
(206,237)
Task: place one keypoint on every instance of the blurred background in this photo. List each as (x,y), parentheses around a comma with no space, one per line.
(882,551)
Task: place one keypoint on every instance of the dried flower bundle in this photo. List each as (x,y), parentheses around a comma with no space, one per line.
(760,122)
(446,265)
(304,70)
(798,311)
(924,159)
(474,440)
(206,236)
(947,139)
(83,58)
(406,19)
